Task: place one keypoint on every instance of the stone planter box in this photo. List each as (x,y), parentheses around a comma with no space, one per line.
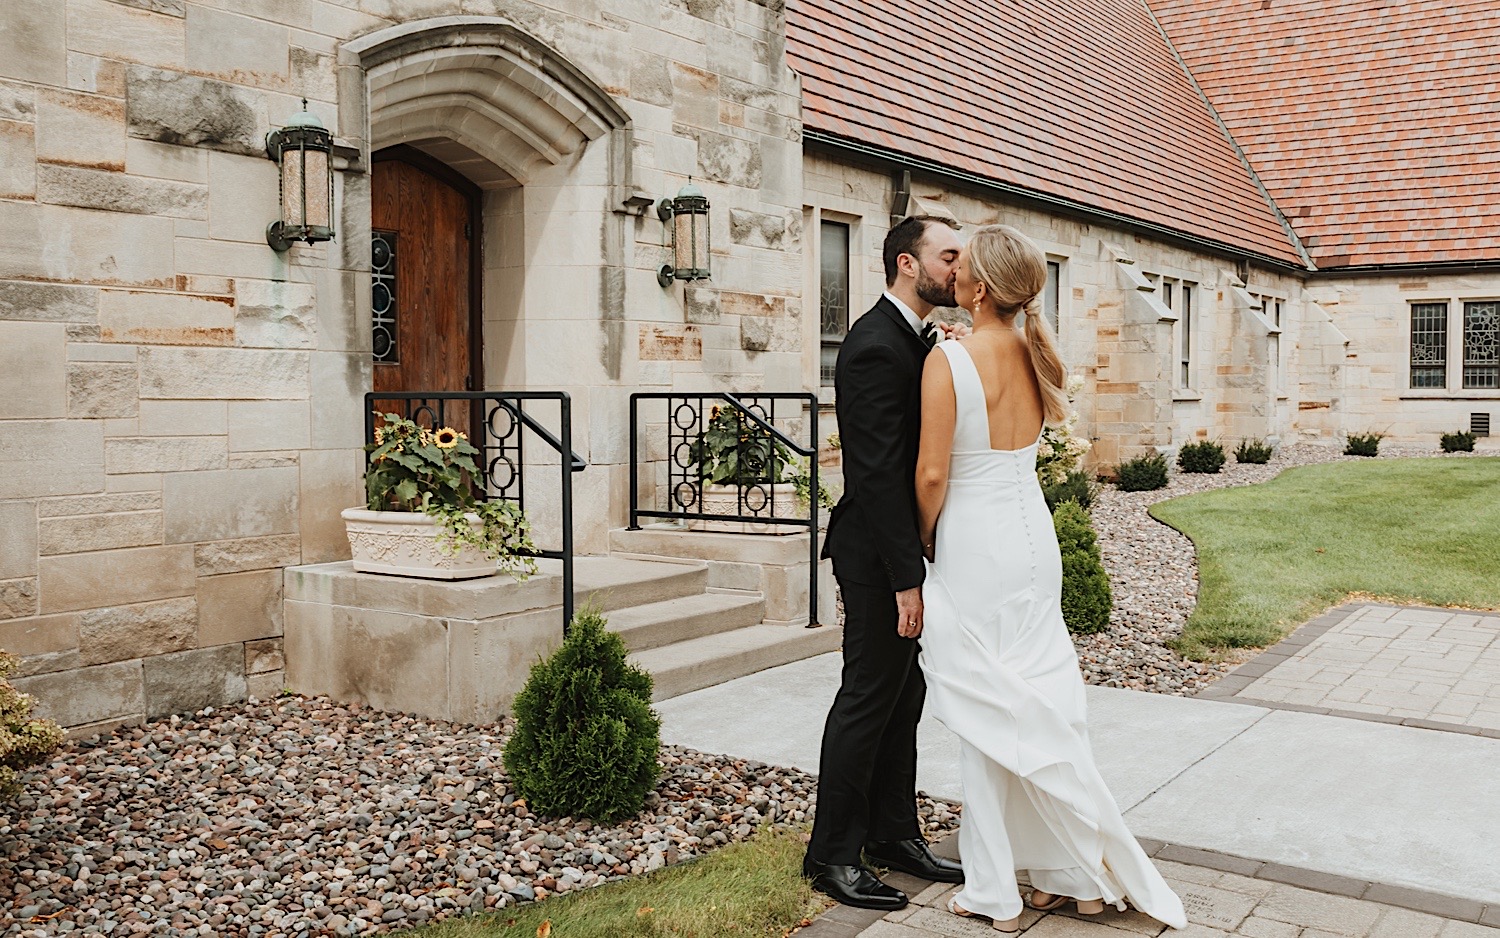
(725,500)
(449,650)
(405,543)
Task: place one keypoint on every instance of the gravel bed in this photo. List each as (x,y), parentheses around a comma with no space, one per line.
(300,817)
(1154,574)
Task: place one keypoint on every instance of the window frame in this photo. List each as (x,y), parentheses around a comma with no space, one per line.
(1180,295)
(1464,364)
(833,341)
(1441,366)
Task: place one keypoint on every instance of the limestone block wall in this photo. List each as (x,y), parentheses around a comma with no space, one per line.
(1374,313)
(1115,330)
(182,406)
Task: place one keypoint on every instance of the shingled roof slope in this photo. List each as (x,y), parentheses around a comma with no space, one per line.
(1374,124)
(1075,99)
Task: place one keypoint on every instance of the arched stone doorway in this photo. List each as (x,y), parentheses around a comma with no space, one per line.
(518,124)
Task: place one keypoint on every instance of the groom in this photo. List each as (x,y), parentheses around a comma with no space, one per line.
(868,771)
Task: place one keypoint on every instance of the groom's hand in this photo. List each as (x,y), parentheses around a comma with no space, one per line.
(909,613)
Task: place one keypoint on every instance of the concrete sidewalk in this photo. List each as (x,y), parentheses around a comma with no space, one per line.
(1369,803)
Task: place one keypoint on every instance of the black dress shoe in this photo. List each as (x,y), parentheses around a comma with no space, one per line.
(914,857)
(853,885)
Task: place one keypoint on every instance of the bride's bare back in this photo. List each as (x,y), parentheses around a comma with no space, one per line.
(1012,400)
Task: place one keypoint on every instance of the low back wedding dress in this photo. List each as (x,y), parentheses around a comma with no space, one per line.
(1002,674)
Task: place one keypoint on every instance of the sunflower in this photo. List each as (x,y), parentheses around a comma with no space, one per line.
(447,438)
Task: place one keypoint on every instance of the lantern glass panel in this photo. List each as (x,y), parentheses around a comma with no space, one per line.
(684,224)
(319,211)
(291,189)
(700,244)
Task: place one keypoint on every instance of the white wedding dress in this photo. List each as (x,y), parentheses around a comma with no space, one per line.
(1003,676)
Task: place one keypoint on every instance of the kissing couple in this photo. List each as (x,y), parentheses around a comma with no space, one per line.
(945,555)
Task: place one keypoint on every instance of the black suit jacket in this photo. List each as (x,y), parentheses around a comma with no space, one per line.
(872,534)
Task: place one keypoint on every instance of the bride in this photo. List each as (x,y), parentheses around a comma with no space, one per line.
(1001,670)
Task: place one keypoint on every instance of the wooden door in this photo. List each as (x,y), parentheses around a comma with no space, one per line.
(425,290)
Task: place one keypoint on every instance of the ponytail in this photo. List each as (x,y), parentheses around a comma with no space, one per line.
(1015,271)
(1051,375)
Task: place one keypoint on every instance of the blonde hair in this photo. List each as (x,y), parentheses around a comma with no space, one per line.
(1014,271)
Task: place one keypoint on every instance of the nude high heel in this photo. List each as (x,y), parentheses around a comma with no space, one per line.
(1085,906)
(1009,926)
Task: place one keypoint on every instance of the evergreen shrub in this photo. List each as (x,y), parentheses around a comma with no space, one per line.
(586,738)
(1205,456)
(1461,441)
(24,742)
(1363,444)
(1076,487)
(1256,452)
(1086,595)
(1142,473)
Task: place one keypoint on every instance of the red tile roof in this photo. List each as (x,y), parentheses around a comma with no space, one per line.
(1075,99)
(1374,124)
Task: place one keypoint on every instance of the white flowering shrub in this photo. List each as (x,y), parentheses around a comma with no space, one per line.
(1059,451)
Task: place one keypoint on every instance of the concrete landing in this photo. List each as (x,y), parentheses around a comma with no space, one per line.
(1377,802)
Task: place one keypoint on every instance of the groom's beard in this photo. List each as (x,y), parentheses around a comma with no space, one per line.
(930,291)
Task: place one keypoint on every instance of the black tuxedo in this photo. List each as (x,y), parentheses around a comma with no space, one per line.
(868,772)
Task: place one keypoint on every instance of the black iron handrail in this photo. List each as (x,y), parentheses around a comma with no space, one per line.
(755,501)
(500,452)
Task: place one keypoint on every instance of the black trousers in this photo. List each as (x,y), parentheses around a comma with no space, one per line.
(867,775)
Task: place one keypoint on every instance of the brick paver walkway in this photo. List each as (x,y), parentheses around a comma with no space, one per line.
(1218,905)
(1437,665)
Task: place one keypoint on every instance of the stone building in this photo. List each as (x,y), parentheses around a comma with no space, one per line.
(183,407)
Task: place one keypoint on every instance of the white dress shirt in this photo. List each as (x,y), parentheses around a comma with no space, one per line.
(911,317)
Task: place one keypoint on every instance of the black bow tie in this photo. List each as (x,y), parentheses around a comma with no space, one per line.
(929,334)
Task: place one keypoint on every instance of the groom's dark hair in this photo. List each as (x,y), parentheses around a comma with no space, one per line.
(905,237)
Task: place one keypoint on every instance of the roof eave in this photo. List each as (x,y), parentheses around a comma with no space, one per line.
(1035,198)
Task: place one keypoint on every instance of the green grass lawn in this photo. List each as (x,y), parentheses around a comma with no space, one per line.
(1274,555)
(751,890)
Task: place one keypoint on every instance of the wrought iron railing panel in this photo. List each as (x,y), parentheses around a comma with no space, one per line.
(769,427)
(499,424)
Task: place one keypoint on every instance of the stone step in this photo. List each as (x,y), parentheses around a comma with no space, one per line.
(686,618)
(618,583)
(713,659)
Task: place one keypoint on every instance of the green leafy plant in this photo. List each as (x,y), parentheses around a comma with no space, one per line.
(1204,456)
(1086,594)
(586,738)
(1058,451)
(24,742)
(1142,473)
(413,468)
(1460,441)
(801,478)
(1363,444)
(1077,488)
(1253,452)
(734,450)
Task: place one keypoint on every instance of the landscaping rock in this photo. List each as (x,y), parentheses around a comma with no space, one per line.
(305,817)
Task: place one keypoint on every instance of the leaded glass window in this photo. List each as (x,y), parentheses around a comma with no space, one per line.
(1185,328)
(1429,345)
(1052,294)
(1482,345)
(833,293)
(383,296)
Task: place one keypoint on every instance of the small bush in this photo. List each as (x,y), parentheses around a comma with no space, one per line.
(1363,444)
(1142,473)
(1204,456)
(1075,488)
(586,738)
(1254,452)
(1460,442)
(1086,596)
(24,742)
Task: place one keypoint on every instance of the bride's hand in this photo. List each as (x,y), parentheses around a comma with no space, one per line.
(954,330)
